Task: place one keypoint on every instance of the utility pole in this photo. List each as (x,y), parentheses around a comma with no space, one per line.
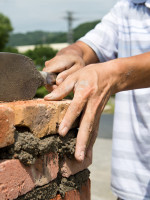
(70,20)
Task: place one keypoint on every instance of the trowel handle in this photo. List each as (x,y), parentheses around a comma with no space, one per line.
(49,77)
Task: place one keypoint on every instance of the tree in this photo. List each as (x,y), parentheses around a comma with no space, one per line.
(40,54)
(5,29)
(82,29)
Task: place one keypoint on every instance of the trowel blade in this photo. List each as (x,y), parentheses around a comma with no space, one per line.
(19,78)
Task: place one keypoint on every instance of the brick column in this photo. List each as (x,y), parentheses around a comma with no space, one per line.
(35,162)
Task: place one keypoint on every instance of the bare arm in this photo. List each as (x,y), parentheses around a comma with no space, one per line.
(92,87)
(133,72)
(81,49)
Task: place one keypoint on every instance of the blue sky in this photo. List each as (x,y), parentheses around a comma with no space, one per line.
(30,15)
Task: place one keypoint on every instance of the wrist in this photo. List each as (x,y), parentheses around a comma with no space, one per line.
(123,73)
(115,74)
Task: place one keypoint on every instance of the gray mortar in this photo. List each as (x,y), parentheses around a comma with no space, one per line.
(45,192)
(19,78)
(73,182)
(27,148)
(59,186)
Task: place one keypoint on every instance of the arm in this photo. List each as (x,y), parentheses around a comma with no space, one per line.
(92,88)
(133,72)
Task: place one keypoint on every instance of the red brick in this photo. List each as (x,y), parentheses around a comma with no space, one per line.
(72,166)
(6,126)
(45,169)
(84,194)
(17,179)
(57,198)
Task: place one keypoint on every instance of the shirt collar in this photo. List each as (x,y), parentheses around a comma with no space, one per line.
(138,1)
(147,2)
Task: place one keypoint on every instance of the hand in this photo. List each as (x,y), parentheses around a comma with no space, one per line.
(65,65)
(92,87)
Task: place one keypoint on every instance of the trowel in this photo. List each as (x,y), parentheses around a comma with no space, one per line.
(19,78)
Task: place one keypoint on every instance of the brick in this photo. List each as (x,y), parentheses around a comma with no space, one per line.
(72,166)
(6,126)
(83,194)
(40,117)
(17,179)
(45,169)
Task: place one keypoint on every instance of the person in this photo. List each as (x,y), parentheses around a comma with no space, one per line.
(113,58)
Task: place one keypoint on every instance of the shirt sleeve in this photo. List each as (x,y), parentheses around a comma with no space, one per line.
(103,39)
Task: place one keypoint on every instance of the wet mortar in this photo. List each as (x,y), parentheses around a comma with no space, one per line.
(27,148)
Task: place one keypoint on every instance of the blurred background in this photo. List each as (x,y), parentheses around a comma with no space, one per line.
(40,28)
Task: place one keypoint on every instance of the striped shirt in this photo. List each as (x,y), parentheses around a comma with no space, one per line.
(124,32)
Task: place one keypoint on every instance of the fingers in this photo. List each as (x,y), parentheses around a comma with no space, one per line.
(72,113)
(94,136)
(50,87)
(63,75)
(62,90)
(59,64)
(85,132)
(55,65)
(96,125)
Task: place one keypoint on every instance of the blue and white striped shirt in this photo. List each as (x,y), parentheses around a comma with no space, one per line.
(124,32)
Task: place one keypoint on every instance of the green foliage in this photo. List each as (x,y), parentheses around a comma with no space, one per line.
(5,29)
(40,54)
(41,37)
(57,38)
(36,37)
(82,29)
(41,92)
(10,49)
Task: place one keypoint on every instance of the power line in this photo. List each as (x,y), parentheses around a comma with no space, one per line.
(70,20)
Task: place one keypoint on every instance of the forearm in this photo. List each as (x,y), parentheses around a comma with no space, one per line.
(82,50)
(132,73)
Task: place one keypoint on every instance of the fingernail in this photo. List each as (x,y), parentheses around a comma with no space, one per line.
(60,80)
(81,155)
(63,131)
(49,96)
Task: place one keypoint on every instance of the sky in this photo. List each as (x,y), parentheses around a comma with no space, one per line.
(49,15)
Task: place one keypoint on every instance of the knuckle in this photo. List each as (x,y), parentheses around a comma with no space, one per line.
(47,63)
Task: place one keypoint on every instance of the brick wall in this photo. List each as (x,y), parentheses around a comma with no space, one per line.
(35,163)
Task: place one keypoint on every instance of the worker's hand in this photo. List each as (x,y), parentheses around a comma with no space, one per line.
(92,86)
(64,64)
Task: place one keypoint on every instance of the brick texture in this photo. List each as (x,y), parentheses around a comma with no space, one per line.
(6,126)
(72,166)
(41,117)
(83,194)
(17,179)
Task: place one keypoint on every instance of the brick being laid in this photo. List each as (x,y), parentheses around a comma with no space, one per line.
(40,117)
(6,126)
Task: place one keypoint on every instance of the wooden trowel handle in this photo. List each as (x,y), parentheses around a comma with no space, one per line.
(49,78)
